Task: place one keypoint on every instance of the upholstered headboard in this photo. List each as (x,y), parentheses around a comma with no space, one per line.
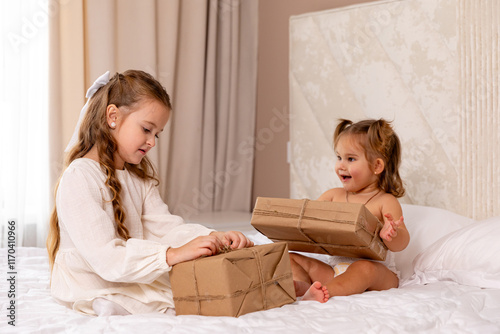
(431,66)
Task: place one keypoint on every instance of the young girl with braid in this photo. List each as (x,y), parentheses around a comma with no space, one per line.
(112,240)
(368,159)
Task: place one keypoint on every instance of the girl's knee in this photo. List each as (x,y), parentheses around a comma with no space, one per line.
(293,259)
(316,269)
(365,268)
(378,276)
(298,259)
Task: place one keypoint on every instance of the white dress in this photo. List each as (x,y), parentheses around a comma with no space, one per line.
(93,262)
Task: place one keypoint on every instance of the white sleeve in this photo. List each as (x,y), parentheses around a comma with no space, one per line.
(81,212)
(160,225)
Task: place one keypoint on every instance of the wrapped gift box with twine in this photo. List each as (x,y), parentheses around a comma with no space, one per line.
(234,283)
(345,229)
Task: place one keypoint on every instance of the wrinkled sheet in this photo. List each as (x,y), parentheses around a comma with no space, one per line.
(443,307)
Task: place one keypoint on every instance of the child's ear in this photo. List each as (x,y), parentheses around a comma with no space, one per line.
(378,166)
(111,114)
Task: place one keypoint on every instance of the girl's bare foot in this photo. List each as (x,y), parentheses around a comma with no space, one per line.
(318,292)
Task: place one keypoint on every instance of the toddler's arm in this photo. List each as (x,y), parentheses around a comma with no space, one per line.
(394,232)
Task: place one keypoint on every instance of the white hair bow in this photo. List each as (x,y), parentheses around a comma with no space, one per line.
(101,81)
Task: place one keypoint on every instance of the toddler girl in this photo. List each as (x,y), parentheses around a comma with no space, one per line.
(368,159)
(112,240)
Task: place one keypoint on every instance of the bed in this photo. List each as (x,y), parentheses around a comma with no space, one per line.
(443,296)
(450,272)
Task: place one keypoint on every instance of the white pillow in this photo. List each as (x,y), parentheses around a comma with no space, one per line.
(426,225)
(469,256)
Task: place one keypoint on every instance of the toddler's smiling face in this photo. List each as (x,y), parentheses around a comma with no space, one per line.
(352,167)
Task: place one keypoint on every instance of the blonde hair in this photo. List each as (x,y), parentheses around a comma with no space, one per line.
(378,139)
(124,89)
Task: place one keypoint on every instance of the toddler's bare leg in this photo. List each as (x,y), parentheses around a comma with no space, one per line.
(307,270)
(362,276)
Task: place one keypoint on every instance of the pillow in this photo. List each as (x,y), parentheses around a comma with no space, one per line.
(426,225)
(468,256)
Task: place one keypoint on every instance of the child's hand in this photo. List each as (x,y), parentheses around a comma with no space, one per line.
(234,239)
(200,246)
(390,229)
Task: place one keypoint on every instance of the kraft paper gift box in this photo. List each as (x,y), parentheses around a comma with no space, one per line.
(345,229)
(234,283)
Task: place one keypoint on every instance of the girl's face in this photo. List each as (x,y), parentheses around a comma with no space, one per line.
(353,169)
(136,130)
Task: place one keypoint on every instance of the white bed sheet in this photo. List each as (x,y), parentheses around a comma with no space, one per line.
(441,307)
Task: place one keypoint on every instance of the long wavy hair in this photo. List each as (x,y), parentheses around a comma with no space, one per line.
(379,140)
(124,89)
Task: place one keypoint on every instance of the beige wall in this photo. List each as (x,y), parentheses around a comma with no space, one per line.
(271,170)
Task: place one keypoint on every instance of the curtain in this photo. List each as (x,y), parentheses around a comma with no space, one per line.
(204,53)
(24,187)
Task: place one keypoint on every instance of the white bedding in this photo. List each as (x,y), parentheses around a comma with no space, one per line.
(440,306)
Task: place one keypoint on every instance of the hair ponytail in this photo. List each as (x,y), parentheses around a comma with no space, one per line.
(385,144)
(343,124)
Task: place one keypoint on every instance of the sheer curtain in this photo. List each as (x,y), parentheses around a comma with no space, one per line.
(24,184)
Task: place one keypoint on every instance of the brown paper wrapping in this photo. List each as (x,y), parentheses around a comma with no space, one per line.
(345,229)
(235,283)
